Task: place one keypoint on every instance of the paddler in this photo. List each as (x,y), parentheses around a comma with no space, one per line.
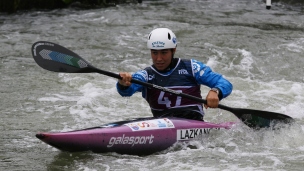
(184,75)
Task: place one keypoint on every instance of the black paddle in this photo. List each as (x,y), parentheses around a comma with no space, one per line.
(56,58)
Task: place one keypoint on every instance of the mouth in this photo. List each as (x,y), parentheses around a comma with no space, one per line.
(159,65)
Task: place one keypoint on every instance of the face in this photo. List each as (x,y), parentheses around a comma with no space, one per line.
(162,58)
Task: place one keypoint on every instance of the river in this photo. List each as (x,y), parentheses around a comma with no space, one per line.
(260,51)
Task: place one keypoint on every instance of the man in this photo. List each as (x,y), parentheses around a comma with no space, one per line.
(182,75)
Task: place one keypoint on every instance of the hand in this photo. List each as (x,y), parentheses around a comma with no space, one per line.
(212,100)
(126,79)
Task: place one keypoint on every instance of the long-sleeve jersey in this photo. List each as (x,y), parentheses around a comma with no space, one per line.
(186,77)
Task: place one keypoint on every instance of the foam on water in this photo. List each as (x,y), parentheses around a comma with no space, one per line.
(277,96)
(296,46)
(99,101)
(260,51)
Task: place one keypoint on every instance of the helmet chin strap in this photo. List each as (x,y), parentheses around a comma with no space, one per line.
(172,63)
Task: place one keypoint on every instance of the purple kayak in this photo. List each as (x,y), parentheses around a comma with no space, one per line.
(142,136)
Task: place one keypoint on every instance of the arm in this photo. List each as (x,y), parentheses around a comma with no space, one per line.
(205,76)
(125,87)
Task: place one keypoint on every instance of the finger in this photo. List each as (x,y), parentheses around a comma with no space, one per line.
(206,106)
(125,80)
(213,104)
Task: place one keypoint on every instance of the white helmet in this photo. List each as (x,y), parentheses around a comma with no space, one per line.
(161,38)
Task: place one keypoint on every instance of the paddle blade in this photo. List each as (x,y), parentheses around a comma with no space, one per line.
(261,119)
(53,57)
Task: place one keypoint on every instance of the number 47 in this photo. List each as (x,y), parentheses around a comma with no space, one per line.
(166,101)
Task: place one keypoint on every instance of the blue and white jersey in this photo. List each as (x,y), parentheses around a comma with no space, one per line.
(186,77)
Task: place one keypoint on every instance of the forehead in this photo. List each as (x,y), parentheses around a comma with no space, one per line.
(161,50)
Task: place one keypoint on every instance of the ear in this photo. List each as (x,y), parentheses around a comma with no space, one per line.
(173,50)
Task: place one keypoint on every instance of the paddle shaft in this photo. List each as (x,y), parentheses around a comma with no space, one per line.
(53,57)
(177,93)
(152,86)
(107,73)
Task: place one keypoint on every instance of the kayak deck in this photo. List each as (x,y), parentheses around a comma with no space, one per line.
(141,136)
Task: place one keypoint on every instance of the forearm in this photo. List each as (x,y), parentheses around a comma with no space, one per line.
(130,89)
(125,90)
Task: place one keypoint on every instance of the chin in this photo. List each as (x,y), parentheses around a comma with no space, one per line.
(160,69)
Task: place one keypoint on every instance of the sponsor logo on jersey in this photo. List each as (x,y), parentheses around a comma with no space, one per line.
(182,71)
(131,140)
(142,73)
(151,77)
(196,67)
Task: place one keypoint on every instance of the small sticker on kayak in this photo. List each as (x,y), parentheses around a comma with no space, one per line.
(151,124)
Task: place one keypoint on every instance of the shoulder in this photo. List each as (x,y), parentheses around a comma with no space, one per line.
(196,62)
(197,66)
(185,62)
(141,75)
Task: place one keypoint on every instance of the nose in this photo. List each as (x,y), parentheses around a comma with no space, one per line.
(158,56)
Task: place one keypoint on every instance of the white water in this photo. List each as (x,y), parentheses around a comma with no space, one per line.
(259,51)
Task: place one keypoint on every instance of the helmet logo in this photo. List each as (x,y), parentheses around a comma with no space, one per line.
(174,40)
(158,44)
